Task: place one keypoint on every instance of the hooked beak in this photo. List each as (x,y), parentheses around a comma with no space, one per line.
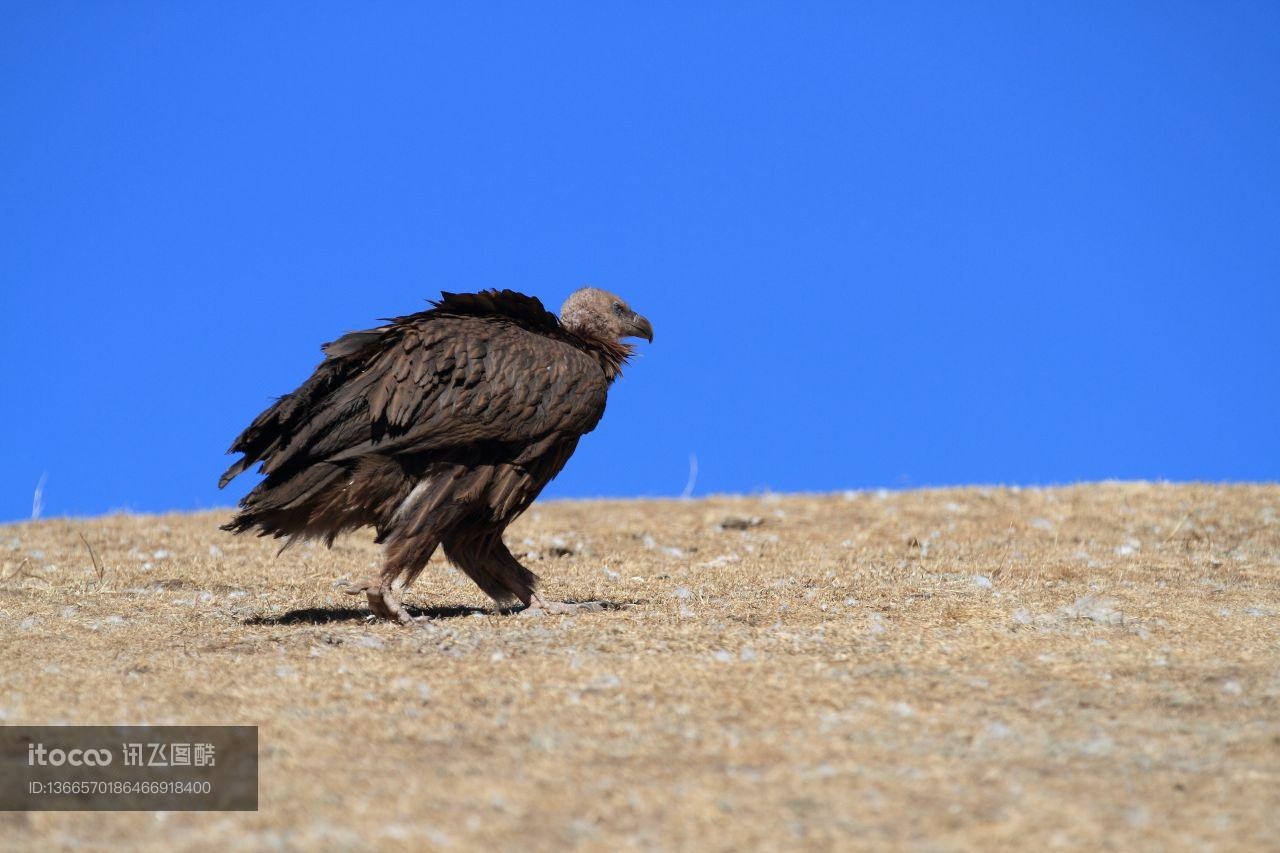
(640,327)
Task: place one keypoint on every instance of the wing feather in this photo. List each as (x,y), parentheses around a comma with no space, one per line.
(432,383)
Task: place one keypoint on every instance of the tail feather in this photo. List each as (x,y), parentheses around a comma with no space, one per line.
(238,468)
(324,500)
(301,504)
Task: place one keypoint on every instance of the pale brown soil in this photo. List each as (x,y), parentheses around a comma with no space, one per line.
(946,669)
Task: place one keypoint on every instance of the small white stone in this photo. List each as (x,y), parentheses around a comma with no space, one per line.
(608,681)
(996,730)
(1100,745)
(1129,548)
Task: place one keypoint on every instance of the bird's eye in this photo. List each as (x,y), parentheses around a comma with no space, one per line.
(618,309)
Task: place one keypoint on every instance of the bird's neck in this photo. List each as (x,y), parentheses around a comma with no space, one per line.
(611,355)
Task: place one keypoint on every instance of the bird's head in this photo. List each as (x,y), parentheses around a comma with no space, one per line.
(599,314)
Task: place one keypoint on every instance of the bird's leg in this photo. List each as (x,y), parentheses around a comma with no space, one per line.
(384,598)
(539,606)
(405,558)
(486,560)
(385,602)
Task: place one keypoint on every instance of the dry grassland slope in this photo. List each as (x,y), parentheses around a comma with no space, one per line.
(953,668)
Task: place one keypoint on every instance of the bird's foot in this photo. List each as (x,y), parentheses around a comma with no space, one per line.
(383,600)
(539,606)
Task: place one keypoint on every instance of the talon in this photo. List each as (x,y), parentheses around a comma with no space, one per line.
(384,601)
(386,604)
(350,587)
(539,606)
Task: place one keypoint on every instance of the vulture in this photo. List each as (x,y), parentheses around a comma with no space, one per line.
(437,429)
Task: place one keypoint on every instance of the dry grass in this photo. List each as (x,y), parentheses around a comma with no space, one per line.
(1095,665)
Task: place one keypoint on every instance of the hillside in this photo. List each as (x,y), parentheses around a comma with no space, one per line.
(960,666)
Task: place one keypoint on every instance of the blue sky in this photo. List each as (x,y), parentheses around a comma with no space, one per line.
(882,245)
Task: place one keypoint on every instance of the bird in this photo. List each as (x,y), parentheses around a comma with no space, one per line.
(437,429)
